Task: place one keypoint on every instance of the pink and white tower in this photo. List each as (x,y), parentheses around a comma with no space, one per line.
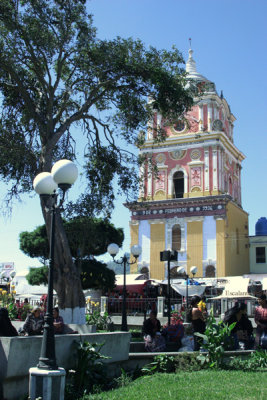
(194,204)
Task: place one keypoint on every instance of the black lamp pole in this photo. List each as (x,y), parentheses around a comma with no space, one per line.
(124,326)
(169,255)
(124,261)
(169,287)
(136,250)
(47,359)
(63,174)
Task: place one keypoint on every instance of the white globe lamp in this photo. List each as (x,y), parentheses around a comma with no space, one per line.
(44,184)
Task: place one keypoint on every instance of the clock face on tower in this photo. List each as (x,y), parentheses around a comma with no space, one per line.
(217,125)
(179,125)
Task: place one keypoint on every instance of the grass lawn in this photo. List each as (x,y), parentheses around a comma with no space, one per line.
(202,385)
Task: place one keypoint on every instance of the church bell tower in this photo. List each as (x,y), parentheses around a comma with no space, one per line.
(194,204)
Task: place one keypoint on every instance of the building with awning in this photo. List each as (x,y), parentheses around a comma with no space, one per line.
(134,282)
(236,287)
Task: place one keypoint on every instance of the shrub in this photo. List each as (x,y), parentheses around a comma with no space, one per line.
(256,361)
(161,363)
(102,322)
(188,362)
(216,340)
(89,374)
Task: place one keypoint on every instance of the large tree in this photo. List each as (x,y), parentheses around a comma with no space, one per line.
(59,83)
(87,237)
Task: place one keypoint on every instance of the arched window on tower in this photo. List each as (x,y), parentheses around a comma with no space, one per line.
(176,237)
(178,184)
(210,271)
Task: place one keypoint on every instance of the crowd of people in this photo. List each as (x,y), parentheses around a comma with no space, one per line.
(156,336)
(33,325)
(241,335)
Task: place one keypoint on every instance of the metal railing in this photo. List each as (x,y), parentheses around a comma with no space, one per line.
(133,306)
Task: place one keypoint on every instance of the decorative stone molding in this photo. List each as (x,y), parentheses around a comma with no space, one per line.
(195,154)
(170,179)
(177,154)
(169,225)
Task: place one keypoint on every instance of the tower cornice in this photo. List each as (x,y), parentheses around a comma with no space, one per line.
(192,139)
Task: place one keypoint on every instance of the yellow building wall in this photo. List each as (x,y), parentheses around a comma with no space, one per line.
(134,240)
(236,241)
(195,246)
(220,247)
(157,244)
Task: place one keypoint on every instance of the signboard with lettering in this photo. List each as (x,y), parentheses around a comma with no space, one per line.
(213,209)
(7,267)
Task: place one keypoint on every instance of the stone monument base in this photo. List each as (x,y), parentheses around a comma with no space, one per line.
(47,384)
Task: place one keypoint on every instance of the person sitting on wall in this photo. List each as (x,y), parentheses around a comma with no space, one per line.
(175,331)
(58,321)
(261,319)
(34,323)
(154,341)
(6,327)
(234,315)
(245,332)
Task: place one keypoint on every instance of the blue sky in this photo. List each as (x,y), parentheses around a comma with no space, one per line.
(229,39)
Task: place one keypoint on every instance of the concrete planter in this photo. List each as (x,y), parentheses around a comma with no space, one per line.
(19,354)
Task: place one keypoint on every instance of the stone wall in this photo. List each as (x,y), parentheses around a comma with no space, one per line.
(19,354)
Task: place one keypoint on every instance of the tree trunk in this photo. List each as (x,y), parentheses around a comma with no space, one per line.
(67,282)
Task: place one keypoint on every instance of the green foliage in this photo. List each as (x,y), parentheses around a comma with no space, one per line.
(87,237)
(12,310)
(188,362)
(161,363)
(89,373)
(102,322)
(91,236)
(96,275)
(64,76)
(255,362)
(123,380)
(136,333)
(199,385)
(61,85)
(35,243)
(216,341)
(38,276)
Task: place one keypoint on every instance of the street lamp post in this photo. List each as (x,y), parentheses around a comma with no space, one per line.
(169,255)
(63,174)
(113,250)
(182,271)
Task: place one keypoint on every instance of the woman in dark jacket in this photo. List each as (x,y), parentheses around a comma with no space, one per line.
(235,315)
(154,341)
(34,323)
(6,328)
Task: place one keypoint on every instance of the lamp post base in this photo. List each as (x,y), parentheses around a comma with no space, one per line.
(47,384)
